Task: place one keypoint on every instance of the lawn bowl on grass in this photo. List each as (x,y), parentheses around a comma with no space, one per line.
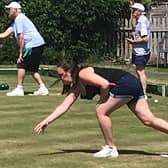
(4,86)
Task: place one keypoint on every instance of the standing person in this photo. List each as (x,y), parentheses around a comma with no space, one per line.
(140,42)
(115,87)
(30,49)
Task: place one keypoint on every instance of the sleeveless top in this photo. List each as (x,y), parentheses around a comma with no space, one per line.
(110,74)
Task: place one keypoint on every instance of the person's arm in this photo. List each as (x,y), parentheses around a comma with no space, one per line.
(21,47)
(89,76)
(59,111)
(6,33)
(139,40)
(144,35)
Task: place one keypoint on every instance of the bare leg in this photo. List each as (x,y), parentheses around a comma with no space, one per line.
(140,70)
(37,77)
(102,111)
(18,91)
(20,76)
(142,111)
(42,88)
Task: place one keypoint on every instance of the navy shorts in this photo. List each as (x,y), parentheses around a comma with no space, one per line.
(128,86)
(140,60)
(31,62)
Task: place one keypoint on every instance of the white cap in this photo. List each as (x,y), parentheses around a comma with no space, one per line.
(13,5)
(138,6)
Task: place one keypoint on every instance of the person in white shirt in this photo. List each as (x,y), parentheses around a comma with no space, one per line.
(140,42)
(30,49)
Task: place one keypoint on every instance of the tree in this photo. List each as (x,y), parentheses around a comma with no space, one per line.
(72,28)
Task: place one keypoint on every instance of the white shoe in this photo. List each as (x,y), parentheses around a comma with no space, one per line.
(146,97)
(106,151)
(41,91)
(16,92)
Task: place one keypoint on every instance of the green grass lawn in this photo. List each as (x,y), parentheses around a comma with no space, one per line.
(70,141)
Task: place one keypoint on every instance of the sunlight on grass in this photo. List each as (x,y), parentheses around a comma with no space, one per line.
(70,141)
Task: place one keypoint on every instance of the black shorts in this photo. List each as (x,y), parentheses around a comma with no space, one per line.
(128,86)
(31,62)
(140,60)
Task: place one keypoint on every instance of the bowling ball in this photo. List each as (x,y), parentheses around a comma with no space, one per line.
(4,86)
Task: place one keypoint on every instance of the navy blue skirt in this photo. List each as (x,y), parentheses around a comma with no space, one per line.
(128,86)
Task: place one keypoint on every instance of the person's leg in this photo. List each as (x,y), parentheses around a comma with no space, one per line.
(42,88)
(20,76)
(103,111)
(142,111)
(140,70)
(33,62)
(18,91)
(37,77)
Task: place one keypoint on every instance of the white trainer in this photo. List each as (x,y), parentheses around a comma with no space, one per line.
(16,92)
(146,97)
(41,91)
(106,151)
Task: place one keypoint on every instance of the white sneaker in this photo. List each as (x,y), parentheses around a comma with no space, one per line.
(16,92)
(106,151)
(146,97)
(41,91)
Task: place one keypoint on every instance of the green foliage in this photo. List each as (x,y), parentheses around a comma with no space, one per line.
(8,47)
(8,51)
(74,27)
(146,2)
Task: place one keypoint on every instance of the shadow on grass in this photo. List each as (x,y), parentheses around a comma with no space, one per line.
(121,152)
(28,93)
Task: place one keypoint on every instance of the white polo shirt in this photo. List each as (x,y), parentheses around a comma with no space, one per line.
(22,24)
(142,28)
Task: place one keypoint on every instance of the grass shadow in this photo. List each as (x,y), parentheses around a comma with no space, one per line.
(121,152)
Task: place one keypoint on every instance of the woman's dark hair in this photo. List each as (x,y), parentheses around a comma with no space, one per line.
(74,69)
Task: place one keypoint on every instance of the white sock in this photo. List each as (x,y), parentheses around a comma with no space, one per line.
(42,86)
(20,86)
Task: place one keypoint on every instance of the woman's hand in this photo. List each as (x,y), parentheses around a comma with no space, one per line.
(40,127)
